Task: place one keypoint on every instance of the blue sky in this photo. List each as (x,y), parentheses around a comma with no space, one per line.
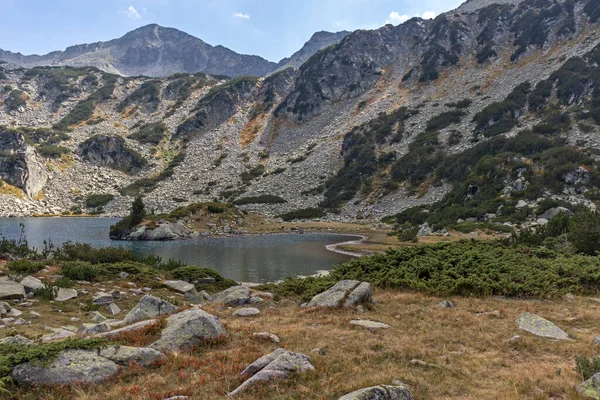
(272,29)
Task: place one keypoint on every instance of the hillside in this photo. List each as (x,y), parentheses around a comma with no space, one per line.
(491,108)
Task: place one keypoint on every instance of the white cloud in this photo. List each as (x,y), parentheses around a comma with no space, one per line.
(395,18)
(241,15)
(429,15)
(132,13)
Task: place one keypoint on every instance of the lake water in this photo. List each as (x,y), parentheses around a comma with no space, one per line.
(242,258)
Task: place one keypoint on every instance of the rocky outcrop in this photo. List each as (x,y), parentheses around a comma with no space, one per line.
(112,152)
(280,364)
(32,284)
(233,296)
(20,165)
(318,41)
(189,329)
(148,307)
(590,388)
(163,231)
(344,294)
(382,392)
(11,290)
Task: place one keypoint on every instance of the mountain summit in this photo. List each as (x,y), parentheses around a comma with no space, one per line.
(153,50)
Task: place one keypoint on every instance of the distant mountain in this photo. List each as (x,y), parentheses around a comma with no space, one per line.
(317,42)
(153,50)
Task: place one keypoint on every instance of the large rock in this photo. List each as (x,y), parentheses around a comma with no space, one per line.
(591,387)
(247,312)
(365,323)
(115,333)
(65,294)
(280,364)
(11,290)
(125,355)
(149,307)
(71,366)
(102,298)
(17,340)
(553,212)
(32,284)
(343,294)
(234,296)
(4,308)
(188,329)
(180,286)
(539,326)
(382,392)
(111,151)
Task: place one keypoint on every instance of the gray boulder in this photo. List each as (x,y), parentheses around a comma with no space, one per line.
(365,323)
(70,366)
(553,212)
(125,355)
(148,307)
(17,339)
(343,294)
(102,298)
(188,329)
(180,286)
(115,333)
(32,284)
(4,308)
(539,326)
(591,387)
(65,294)
(382,392)
(234,296)
(11,290)
(280,364)
(113,309)
(446,304)
(246,312)
(93,329)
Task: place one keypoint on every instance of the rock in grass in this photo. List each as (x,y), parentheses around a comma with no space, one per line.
(539,326)
(365,323)
(382,392)
(11,290)
(57,335)
(343,294)
(65,294)
(149,307)
(102,298)
(71,366)
(280,364)
(446,304)
(18,340)
(247,312)
(234,296)
(130,328)
(188,329)
(180,286)
(125,355)
(32,284)
(266,336)
(591,387)
(113,309)
(4,308)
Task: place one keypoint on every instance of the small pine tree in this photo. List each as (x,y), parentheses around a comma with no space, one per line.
(138,211)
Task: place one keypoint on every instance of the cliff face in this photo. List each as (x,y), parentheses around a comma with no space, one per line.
(20,165)
(382,121)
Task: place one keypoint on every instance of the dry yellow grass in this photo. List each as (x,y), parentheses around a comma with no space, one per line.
(469,355)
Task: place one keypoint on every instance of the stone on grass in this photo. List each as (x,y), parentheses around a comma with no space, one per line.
(102,298)
(4,308)
(343,294)
(94,329)
(125,355)
(596,340)
(234,296)
(539,326)
(247,312)
(382,392)
(65,294)
(194,297)
(149,307)
(113,309)
(446,304)
(11,290)
(280,364)
(189,329)
(115,333)
(32,284)
(69,367)
(97,317)
(365,323)
(266,336)
(59,334)
(180,286)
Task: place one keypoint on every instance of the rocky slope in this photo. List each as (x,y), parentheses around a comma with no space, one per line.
(381,122)
(153,50)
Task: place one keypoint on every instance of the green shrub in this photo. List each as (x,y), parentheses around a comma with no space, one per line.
(306,213)
(444,120)
(191,274)
(150,133)
(25,267)
(262,199)
(98,200)
(79,270)
(147,95)
(252,174)
(52,151)
(587,367)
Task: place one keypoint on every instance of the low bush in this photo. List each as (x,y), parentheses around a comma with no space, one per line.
(150,133)
(98,200)
(80,270)
(191,274)
(306,213)
(262,199)
(25,267)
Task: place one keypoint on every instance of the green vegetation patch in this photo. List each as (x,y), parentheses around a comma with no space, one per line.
(150,133)
(147,185)
(147,96)
(191,274)
(98,200)
(262,199)
(52,151)
(305,213)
